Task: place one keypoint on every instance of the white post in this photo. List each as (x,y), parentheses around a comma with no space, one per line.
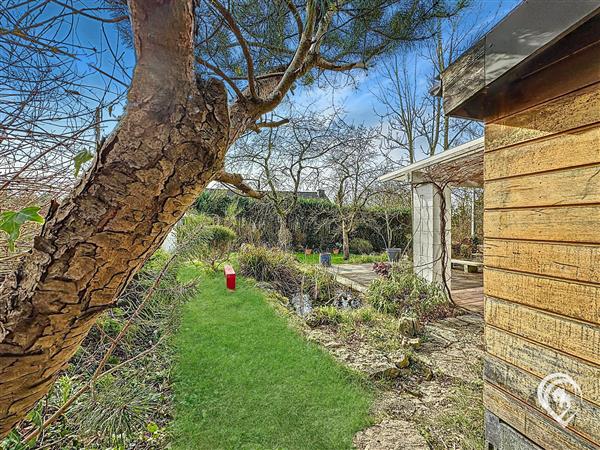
(427,243)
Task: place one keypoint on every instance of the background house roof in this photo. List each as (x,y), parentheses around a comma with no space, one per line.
(318,194)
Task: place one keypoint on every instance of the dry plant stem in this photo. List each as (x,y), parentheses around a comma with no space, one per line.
(98,372)
(444,259)
(63,409)
(119,337)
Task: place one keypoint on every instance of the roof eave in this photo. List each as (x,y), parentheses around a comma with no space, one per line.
(461,151)
(512,42)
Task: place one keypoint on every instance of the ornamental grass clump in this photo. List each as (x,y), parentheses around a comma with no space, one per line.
(286,275)
(201,239)
(320,285)
(403,293)
(331,316)
(276,267)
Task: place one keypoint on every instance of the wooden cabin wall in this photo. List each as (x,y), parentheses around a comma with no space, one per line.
(542,262)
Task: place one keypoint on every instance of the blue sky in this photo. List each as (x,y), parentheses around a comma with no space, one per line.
(354,97)
(357,99)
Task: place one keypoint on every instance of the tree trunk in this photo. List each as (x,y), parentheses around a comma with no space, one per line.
(284,237)
(388,230)
(166,149)
(345,242)
(446,132)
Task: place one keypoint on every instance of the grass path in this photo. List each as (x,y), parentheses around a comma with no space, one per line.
(245,380)
(313,258)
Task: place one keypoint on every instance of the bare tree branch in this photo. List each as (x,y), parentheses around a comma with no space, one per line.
(245,49)
(272,124)
(237,180)
(322,63)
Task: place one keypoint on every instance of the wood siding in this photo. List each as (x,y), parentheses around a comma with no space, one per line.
(542,263)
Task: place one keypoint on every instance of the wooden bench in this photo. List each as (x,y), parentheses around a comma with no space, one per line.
(468,266)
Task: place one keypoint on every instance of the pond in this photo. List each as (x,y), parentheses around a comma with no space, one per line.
(302,304)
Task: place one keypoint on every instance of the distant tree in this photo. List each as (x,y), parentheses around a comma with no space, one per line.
(412,118)
(170,142)
(391,199)
(284,161)
(397,92)
(352,178)
(450,39)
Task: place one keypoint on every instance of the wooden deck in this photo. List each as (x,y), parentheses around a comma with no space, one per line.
(467,288)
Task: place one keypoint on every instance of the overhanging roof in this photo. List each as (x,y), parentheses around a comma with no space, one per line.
(446,165)
(514,44)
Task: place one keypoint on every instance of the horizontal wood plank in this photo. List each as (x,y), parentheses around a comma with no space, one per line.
(523,385)
(575,148)
(537,427)
(567,298)
(571,261)
(561,224)
(574,110)
(498,433)
(580,185)
(542,361)
(570,336)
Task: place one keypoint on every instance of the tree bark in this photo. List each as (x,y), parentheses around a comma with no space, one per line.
(169,145)
(388,229)
(284,236)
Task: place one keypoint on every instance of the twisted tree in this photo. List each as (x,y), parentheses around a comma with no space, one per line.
(169,144)
(284,161)
(352,178)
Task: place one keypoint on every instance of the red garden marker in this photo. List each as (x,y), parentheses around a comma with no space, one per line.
(229,277)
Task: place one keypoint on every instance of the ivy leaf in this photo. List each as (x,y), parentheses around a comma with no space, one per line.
(81,158)
(13,441)
(152,427)
(65,386)
(36,418)
(11,221)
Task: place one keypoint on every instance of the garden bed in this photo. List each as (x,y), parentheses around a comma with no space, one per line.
(433,400)
(424,356)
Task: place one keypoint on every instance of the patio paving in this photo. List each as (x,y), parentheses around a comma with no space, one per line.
(467,288)
(355,276)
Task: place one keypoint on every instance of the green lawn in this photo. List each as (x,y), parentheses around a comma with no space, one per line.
(339,258)
(245,380)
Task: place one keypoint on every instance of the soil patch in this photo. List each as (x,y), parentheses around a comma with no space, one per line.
(429,388)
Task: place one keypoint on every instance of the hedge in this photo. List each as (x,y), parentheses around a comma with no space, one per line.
(313,223)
